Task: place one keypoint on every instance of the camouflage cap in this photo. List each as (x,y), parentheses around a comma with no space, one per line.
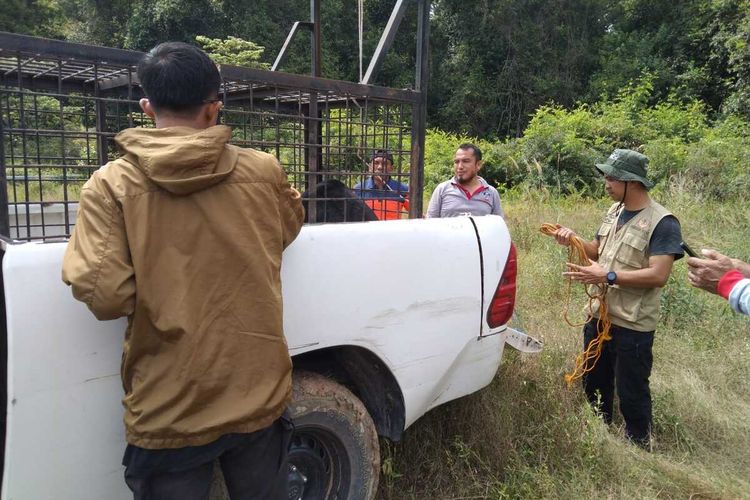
(626,165)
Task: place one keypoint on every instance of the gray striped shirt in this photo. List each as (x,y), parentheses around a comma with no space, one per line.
(450,200)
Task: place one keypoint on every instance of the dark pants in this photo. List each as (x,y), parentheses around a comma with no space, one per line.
(254,467)
(625,363)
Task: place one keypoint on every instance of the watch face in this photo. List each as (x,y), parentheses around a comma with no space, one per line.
(611,277)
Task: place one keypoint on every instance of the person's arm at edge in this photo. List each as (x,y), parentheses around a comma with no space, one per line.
(742,267)
(739,298)
(97,263)
(734,287)
(290,208)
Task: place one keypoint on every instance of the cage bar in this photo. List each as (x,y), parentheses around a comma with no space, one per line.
(61,105)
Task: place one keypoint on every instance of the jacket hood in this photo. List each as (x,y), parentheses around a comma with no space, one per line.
(181,160)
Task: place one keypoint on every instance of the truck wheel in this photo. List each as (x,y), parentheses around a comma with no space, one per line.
(334,452)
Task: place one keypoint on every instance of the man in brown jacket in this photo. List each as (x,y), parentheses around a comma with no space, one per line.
(183,235)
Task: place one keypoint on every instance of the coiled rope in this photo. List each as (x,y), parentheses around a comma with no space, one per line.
(586,360)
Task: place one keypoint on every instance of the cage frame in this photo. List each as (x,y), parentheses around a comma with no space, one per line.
(31,65)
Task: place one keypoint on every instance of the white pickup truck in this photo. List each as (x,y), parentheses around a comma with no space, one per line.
(384,320)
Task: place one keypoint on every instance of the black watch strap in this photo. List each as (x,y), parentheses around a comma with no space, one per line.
(611,277)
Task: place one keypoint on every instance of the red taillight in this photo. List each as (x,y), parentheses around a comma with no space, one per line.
(501,307)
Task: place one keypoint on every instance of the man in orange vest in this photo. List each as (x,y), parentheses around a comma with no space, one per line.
(386,196)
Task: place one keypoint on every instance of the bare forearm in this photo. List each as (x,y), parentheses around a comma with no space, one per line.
(742,267)
(642,278)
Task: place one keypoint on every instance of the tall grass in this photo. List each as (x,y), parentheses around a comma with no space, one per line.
(530,436)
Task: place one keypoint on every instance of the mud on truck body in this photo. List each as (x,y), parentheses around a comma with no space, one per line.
(384,320)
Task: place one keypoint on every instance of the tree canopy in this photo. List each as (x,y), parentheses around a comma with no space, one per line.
(492,62)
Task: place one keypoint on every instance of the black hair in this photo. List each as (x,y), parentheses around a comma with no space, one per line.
(474,149)
(382,153)
(178,77)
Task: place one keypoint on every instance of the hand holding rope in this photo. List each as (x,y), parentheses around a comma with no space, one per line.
(577,263)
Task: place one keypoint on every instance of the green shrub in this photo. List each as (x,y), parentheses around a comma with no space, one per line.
(234,50)
(557,149)
(688,151)
(667,157)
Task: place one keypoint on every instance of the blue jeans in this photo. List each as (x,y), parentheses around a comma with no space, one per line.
(625,364)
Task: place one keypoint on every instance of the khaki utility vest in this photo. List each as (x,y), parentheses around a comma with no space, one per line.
(627,250)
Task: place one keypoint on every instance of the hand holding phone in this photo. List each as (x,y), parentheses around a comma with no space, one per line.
(688,250)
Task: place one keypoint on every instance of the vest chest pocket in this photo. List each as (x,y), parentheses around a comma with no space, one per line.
(631,253)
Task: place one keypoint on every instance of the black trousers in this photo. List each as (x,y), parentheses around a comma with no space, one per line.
(254,467)
(625,364)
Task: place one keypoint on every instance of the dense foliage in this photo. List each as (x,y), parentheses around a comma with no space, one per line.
(493,62)
(689,150)
(546,88)
(233,50)
(497,61)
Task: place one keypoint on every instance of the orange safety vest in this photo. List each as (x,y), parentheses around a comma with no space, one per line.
(388,209)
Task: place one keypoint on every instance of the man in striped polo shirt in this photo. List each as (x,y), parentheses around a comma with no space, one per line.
(466,193)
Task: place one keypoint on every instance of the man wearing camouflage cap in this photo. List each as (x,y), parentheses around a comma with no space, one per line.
(633,252)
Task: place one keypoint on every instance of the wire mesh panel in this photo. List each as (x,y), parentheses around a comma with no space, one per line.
(57,125)
(62,104)
(325,142)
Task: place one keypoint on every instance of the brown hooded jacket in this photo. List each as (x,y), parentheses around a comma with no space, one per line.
(184,235)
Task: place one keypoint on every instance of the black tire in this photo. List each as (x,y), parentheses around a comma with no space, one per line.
(335,453)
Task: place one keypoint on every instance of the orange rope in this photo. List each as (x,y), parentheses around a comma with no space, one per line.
(586,360)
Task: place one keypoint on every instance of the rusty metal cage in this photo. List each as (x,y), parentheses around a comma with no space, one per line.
(61,104)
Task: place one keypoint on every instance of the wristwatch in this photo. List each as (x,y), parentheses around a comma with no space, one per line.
(611,278)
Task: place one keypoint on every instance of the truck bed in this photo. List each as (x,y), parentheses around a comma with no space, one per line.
(421,313)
